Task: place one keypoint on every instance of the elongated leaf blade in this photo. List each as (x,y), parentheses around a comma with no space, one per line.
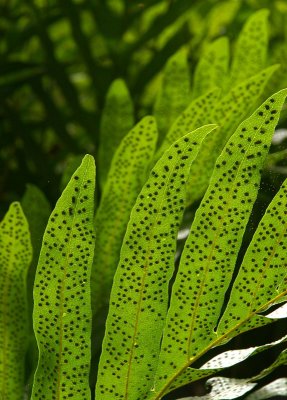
(210,252)
(174,94)
(117,120)
(140,290)
(125,180)
(232,109)
(212,68)
(251,49)
(62,312)
(262,278)
(232,357)
(15,259)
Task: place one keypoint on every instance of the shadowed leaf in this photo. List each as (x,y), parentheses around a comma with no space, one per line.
(173,96)
(127,175)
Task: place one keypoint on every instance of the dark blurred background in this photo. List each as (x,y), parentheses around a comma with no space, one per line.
(58,59)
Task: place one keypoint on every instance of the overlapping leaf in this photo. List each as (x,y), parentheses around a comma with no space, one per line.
(251,48)
(212,68)
(117,120)
(174,94)
(210,253)
(194,116)
(228,114)
(126,177)
(15,259)
(261,280)
(140,291)
(37,211)
(62,312)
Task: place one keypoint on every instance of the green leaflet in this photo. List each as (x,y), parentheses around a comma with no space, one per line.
(173,96)
(228,113)
(62,312)
(194,116)
(72,164)
(212,68)
(251,48)
(210,252)
(15,258)
(126,177)
(140,290)
(262,278)
(117,120)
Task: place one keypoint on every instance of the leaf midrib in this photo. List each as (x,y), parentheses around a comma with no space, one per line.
(216,342)
(219,229)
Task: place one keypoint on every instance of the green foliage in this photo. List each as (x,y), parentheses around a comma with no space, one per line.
(251,48)
(62,311)
(117,120)
(15,258)
(139,297)
(212,68)
(126,178)
(169,269)
(173,96)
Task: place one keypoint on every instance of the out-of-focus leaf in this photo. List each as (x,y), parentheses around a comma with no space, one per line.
(251,49)
(174,93)
(126,177)
(117,120)
(212,68)
(72,164)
